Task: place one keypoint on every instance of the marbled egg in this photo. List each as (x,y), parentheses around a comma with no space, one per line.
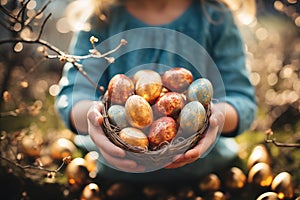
(117,115)
(169,104)
(134,137)
(120,87)
(148,84)
(162,130)
(138,111)
(200,90)
(192,118)
(177,79)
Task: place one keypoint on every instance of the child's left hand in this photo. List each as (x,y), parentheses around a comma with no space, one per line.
(216,124)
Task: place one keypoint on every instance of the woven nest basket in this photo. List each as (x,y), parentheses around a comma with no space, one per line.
(153,158)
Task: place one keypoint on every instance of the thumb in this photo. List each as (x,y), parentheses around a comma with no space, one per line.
(94,115)
(217,118)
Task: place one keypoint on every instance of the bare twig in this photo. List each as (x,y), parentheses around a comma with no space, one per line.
(66,160)
(42,27)
(22,11)
(83,73)
(269,139)
(62,56)
(6,26)
(8,13)
(13,113)
(58,54)
(29,20)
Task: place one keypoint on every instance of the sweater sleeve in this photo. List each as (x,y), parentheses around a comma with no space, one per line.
(229,56)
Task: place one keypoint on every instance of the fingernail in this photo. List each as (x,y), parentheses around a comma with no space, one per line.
(100,120)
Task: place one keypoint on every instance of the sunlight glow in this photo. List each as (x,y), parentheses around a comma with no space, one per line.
(77,12)
(31,5)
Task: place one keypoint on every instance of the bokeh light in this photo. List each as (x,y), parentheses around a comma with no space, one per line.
(18,47)
(261,33)
(31,5)
(62,25)
(31,13)
(278,5)
(4,2)
(54,90)
(17,26)
(255,78)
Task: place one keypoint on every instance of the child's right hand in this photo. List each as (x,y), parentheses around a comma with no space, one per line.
(113,154)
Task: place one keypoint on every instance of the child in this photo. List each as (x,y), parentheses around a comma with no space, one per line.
(164,33)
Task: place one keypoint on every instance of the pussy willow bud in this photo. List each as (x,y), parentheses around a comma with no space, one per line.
(123,42)
(67,159)
(93,39)
(110,59)
(62,59)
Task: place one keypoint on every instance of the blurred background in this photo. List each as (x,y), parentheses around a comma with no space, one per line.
(28,85)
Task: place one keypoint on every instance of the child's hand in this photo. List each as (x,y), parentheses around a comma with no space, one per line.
(216,123)
(114,155)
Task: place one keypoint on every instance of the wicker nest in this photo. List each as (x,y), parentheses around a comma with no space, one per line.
(153,158)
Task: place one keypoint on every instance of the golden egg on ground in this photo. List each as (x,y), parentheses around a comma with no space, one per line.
(91,159)
(211,182)
(235,178)
(268,196)
(186,192)
(260,175)
(121,190)
(283,185)
(77,172)
(154,191)
(134,137)
(62,148)
(46,160)
(32,145)
(258,154)
(217,195)
(91,192)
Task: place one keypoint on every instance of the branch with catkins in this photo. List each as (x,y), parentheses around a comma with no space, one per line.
(10,20)
(270,139)
(15,22)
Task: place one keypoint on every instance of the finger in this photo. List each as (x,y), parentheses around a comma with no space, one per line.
(213,121)
(204,144)
(217,119)
(174,165)
(94,114)
(103,143)
(123,164)
(179,164)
